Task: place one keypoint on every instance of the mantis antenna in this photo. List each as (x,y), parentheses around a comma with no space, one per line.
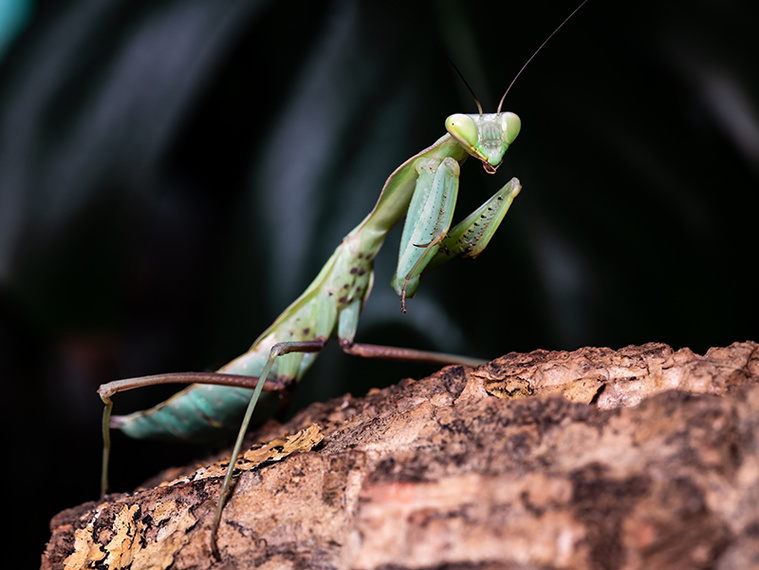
(461,75)
(500,104)
(498,111)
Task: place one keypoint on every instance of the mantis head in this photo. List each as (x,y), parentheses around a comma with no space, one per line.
(486,137)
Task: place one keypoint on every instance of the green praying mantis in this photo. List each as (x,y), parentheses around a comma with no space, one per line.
(424,190)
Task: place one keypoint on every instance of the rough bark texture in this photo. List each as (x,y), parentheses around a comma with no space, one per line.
(638,458)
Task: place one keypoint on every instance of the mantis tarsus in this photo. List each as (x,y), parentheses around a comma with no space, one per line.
(424,190)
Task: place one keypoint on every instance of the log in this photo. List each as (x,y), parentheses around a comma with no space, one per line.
(643,457)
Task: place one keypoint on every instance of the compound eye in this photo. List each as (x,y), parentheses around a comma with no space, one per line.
(511,124)
(463,129)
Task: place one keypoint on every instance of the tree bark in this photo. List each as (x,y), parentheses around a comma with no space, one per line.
(643,457)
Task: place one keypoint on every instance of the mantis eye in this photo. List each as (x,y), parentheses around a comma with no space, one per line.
(510,124)
(464,129)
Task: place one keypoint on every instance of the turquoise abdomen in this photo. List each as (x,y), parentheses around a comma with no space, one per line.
(198,413)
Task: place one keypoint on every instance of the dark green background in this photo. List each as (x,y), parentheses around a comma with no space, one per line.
(173,174)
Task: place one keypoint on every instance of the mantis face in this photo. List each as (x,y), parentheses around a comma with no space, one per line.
(486,137)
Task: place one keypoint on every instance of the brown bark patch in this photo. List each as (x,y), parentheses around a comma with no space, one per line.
(643,457)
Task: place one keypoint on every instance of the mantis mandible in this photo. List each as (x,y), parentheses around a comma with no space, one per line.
(424,190)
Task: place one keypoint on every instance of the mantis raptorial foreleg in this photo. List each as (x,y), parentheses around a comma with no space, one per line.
(431,209)
(429,242)
(424,190)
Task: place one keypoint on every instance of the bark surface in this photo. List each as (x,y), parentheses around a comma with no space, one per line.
(643,457)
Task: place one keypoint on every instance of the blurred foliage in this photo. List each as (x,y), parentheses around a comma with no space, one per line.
(173,174)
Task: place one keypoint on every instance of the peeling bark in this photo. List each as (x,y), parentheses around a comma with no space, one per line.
(638,458)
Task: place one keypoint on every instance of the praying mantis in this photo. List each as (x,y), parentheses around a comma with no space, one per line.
(424,190)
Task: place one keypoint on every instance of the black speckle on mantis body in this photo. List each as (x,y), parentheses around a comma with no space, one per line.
(424,190)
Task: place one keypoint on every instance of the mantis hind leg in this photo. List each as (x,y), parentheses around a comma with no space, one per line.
(406,354)
(106,391)
(279,349)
